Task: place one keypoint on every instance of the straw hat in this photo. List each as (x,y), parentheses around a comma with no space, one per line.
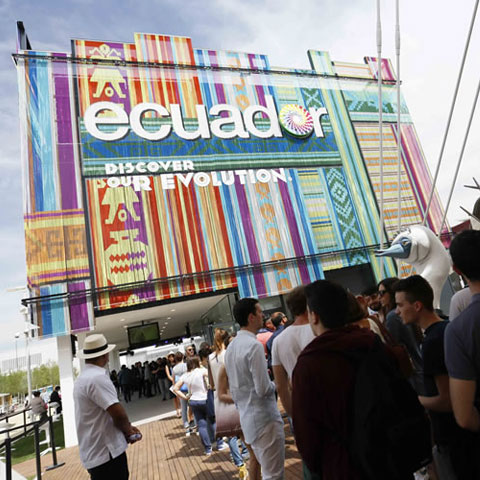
(95,346)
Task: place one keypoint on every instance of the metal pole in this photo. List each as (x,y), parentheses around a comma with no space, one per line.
(38,461)
(29,373)
(8,457)
(399,130)
(24,311)
(53,446)
(16,354)
(52,440)
(380,128)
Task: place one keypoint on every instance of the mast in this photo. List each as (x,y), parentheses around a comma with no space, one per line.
(380,130)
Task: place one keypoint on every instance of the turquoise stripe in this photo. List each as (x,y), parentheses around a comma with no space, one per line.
(46,148)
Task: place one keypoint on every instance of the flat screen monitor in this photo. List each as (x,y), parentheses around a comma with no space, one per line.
(143,335)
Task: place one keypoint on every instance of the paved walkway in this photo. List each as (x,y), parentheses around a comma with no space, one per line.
(164,453)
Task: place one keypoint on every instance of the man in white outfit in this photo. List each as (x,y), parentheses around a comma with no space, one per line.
(287,346)
(103,427)
(254,393)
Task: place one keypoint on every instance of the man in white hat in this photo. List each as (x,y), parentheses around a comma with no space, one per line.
(103,427)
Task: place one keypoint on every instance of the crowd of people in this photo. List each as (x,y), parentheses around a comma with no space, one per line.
(375,385)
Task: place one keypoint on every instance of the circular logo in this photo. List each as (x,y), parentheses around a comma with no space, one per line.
(296,120)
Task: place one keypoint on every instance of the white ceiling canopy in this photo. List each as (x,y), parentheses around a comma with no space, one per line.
(172,319)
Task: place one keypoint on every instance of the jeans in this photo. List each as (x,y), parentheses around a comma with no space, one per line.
(164,386)
(206,425)
(235,451)
(184,407)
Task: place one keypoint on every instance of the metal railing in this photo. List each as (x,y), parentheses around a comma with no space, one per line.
(26,429)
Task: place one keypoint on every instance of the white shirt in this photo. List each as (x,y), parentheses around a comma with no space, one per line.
(287,346)
(216,362)
(98,438)
(251,389)
(196,381)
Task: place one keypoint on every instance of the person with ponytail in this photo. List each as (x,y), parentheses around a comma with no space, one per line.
(216,362)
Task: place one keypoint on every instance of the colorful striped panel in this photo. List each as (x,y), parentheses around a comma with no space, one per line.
(363,98)
(368,138)
(167,86)
(55,246)
(388,73)
(355,70)
(354,168)
(241,89)
(318,209)
(421,179)
(55,316)
(140,237)
(101,82)
(229,59)
(54,216)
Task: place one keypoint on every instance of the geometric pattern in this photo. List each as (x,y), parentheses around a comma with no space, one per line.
(345,214)
(212,154)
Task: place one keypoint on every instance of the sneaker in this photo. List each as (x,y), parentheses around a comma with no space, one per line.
(222,446)
(242,472)
(208,452)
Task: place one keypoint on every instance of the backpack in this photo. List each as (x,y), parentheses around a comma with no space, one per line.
(390,430)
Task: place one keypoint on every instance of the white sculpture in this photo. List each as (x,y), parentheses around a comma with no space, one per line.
(422,249)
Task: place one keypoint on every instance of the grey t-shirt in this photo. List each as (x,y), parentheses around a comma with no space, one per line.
(459,302)
(178,370)
(462,343)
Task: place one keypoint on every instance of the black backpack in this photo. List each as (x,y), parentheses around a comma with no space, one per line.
(390,431)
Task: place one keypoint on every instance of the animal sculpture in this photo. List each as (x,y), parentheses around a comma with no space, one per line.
(422,249)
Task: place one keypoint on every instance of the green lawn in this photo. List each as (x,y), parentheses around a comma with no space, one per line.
(24,448)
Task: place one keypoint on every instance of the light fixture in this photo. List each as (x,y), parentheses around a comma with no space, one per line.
(172,310)
(165,323)
(122,319)
(169,318)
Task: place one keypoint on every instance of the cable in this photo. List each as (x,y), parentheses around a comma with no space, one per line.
(472,113)
(435,178)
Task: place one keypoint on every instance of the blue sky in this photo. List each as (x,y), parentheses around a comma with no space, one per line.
(433,37)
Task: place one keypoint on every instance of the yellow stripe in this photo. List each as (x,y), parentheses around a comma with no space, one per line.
(57,222)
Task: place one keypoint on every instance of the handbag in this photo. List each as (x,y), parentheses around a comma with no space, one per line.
(210,404)
(399,350)
(227,420)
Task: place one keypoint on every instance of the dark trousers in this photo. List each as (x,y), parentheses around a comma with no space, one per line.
(127,392)
(116,468)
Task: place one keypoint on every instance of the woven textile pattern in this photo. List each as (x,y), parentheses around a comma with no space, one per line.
(242,206)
